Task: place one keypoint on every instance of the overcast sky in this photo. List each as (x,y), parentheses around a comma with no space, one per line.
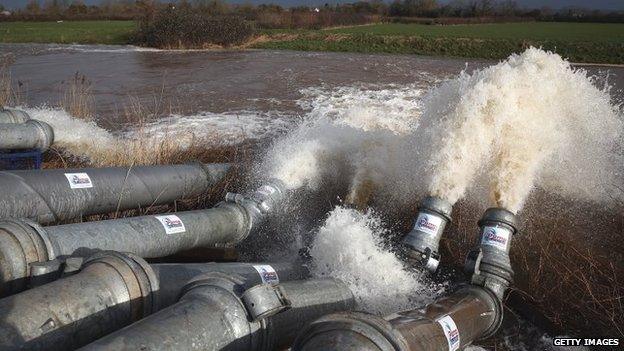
(555,4)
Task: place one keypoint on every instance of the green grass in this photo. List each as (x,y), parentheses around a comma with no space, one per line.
(79,32)
(559,31)
(578,42)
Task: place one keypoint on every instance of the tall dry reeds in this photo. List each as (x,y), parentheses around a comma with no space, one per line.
(10,94)
(77,98)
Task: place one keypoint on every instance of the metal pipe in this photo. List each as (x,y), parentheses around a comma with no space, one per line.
(24,243)
(11,115)
(60,194)
(451,323)
(219,312)
(421,244)
(31,134)
(111,291)
(174,276)
(489,264)
(472,312)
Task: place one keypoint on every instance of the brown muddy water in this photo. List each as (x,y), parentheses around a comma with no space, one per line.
(240,94)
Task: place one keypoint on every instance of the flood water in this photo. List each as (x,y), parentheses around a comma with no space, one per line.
(220,82)
(222,92)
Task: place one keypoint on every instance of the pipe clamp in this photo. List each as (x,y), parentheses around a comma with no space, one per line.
(265,300)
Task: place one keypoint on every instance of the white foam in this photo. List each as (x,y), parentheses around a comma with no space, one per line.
(347,130)
(348,247)
(529,113)
(219,128)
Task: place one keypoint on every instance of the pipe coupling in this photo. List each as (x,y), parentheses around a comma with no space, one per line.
(22,244)
(140,280)
(489,264)
(422,242)
(11,115)
(46,134)
(261,202)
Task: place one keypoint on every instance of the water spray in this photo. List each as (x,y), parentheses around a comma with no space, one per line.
(423,241)
(473,311)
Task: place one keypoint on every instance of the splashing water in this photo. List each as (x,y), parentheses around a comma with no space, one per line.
(530,112)
(347,247)
(348,133)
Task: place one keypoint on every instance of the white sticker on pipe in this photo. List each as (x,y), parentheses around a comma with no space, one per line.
(267,273)
(172,224)
(450,331)
(496,236)
(427,223)
(79,180)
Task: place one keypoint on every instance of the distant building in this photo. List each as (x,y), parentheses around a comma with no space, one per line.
(5,13)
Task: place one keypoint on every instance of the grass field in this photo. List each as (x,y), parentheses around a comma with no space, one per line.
(79,32)
(579,42)
(603,32)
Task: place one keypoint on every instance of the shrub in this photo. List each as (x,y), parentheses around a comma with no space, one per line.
(189,28)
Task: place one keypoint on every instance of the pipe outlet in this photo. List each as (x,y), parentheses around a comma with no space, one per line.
(489,264)
(31,134)
(12,115)
(260,203)
(422,243)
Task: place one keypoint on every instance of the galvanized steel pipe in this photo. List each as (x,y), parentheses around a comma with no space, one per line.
(31,134)
(11,115)
(451,323)
(215,314)
(61,194)
(422,242)
(111,291)
(24,243)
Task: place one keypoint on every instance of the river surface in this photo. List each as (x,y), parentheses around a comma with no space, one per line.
(214,86)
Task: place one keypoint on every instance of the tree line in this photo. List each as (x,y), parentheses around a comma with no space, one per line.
(371,9)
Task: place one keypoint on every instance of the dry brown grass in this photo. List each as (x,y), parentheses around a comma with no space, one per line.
(10,95)
(77,97)
(568,270)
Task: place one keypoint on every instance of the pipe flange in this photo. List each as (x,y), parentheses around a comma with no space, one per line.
(437,205)
(143,294)
(499,215)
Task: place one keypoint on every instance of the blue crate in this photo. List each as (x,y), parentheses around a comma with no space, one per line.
(20,159)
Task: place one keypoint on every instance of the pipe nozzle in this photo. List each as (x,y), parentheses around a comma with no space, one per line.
(489,263)
(262,201)
(421,244)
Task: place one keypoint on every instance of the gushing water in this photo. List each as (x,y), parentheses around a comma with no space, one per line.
(347,246)
(528,113)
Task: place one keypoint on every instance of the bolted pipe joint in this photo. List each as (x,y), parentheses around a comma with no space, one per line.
(261,202)
(489,264)
(422,243)
(12,115)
